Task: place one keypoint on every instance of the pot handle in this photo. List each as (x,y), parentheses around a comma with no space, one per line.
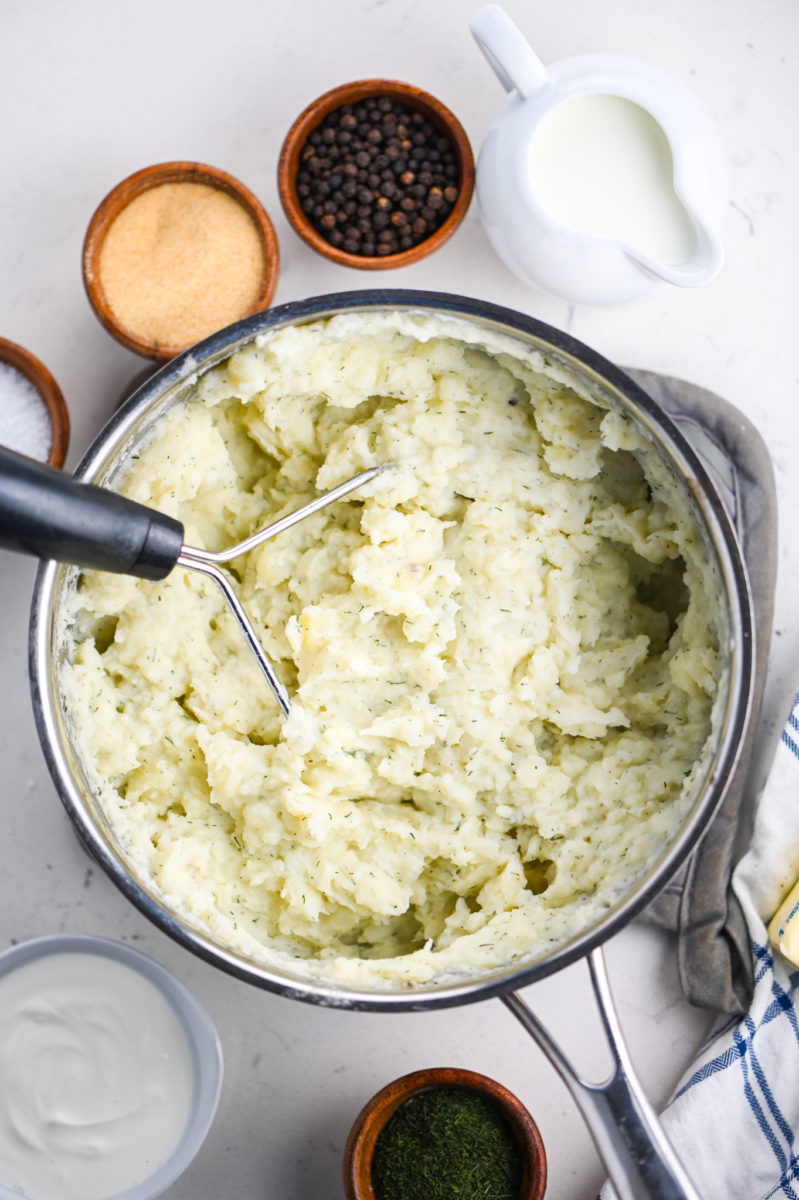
(639,1158)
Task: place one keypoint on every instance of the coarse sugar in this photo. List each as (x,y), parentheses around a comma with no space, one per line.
(180,261)
(25,423)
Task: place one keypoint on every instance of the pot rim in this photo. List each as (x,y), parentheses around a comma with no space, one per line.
(718,527)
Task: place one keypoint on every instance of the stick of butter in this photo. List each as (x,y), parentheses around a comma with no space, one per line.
(783,931)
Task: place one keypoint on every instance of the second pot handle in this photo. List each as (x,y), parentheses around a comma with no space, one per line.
(508,52)
(638,1156)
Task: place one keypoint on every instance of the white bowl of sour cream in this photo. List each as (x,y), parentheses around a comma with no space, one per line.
(111,1072)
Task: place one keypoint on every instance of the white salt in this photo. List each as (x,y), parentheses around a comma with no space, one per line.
(24,419)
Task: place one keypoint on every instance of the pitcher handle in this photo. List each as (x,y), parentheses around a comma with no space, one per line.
(638,1156)
(508,52)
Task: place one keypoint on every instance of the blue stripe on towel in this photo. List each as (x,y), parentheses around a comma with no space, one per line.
(763,959)
(792,723)
(785,1180)
(749,1092)
(719,1063)
(764,969)
(781,1124)
(786,1001)
(783,1184)
(743,1046)
(790,743)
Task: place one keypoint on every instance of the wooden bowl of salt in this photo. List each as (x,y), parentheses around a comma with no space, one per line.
(176,252)
(33,414)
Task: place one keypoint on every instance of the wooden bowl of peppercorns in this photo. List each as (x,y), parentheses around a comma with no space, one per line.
(376,174)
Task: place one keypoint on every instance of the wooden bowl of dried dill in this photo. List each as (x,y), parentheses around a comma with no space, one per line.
(442,1133)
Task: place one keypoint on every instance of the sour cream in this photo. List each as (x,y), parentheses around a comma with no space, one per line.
(97,1078)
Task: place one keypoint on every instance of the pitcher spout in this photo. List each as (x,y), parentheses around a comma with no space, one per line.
(703,265)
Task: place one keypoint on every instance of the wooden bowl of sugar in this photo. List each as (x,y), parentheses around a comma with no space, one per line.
(176,252)
(33,414)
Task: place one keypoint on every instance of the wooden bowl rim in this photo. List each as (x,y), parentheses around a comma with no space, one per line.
(135,185)
(378,1111)
(37,373)
(351,93)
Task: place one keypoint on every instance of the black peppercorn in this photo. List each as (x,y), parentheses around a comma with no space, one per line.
(377,177)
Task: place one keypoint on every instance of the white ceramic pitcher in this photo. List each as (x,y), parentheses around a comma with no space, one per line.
(602,257)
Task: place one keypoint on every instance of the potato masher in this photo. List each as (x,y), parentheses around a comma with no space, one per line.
(47,513)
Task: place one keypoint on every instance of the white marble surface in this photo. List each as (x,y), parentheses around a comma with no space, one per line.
(91,91)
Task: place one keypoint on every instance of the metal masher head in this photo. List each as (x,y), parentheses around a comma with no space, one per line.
(48,514)
(209,564)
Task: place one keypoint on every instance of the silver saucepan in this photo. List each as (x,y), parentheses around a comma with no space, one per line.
(638,1157)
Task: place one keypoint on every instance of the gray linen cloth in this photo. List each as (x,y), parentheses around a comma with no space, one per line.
(714,957)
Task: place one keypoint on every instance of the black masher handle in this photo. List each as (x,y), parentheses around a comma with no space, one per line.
(47,513)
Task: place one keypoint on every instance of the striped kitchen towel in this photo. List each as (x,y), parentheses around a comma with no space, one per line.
(734,1119)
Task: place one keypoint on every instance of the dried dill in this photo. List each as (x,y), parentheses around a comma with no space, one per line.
(447,1143)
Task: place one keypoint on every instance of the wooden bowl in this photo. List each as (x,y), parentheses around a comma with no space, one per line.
(150,177)
(381,1108)
(36,372)
(352,93)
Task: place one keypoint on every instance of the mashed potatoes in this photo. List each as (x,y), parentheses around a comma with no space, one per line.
(501,656)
